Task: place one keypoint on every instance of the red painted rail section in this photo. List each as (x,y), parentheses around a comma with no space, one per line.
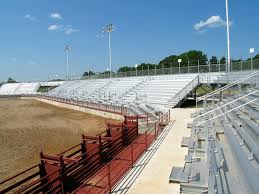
(112,172)
(93,166)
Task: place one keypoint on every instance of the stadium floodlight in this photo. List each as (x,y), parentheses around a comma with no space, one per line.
(67,49)
(228,39)
(109,29)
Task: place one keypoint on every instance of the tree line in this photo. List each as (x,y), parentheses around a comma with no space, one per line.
(192,58)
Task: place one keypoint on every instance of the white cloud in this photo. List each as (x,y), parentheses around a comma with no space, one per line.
(68,29)
(211,22)
(56,16)
(30,18)
(55,27)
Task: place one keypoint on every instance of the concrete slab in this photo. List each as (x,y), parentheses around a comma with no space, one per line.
(154,177)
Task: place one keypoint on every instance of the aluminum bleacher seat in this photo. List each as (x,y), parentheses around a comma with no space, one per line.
(19,88)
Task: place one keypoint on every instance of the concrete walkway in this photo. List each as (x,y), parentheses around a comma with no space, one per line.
(153,176)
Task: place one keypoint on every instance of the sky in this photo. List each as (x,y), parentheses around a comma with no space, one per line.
(33,33)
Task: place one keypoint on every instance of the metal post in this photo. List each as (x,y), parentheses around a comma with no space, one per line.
(179,68)
(188,66)
(132,159)
(146,140)
(109,178)
(110,53)
(241,65)
(163,68)
(251,63)
(198,66)
(142,70)
(228,38)
(225,115)
(155,69)
(155,132)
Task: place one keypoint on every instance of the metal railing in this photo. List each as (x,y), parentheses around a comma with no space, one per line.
(225,109)
(253,80)
(184,92)
(190,67)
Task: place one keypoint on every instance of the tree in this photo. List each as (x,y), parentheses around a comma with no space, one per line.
(214,60)
(192,56)
(87,73)
(11,80)
(125,69)
(256,56)
(223,60)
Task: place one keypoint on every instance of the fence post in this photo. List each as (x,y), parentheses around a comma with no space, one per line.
(251,63)
(146,140)
(198,66)
(109,178)
(155,132)
(132,159)
(188,66)
(147,118)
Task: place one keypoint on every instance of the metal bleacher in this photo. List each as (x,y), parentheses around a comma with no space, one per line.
(223,149)
(19,88)
(141,94)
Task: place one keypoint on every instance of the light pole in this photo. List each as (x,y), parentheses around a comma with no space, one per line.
(136,66)
(228,38)
(179,62)
(109,29)
(67,49)
(251,50)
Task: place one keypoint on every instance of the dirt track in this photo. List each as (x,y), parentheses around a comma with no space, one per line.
(28,126)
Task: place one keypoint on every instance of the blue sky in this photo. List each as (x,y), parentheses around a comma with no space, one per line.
(33,33)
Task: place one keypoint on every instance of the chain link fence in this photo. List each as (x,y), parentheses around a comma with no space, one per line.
(190,67)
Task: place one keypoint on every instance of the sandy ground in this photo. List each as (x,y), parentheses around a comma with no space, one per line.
(155,176)
(29,126)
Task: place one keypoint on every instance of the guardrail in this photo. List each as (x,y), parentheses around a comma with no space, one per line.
(113,171)
(184,92)
(113,151)
(253,78)
(190,67)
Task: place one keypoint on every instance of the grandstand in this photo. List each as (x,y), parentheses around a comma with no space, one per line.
(223,144)
(19,88)
(145,94)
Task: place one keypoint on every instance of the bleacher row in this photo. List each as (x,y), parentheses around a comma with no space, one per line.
(19,88)
(223,149)
(143,94)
